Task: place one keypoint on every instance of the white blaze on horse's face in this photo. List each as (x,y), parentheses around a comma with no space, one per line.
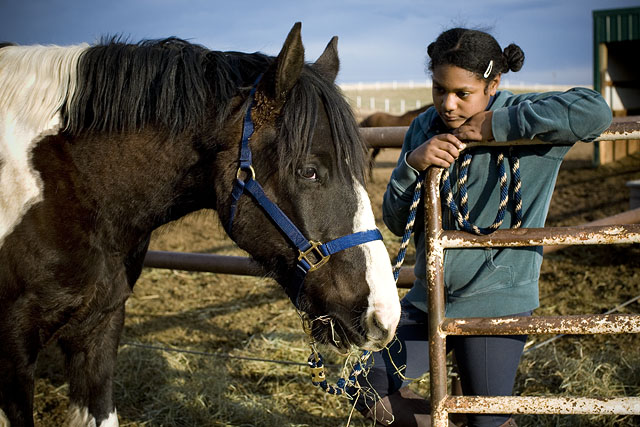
(383,313)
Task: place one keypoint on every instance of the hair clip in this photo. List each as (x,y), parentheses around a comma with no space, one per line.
(489,69)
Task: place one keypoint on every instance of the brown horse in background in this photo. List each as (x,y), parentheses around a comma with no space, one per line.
(380,119)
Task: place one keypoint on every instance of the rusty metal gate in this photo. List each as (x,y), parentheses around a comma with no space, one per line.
(438,240)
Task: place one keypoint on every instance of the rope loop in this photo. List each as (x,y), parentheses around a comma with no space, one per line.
(318,377)
(461,213)
(411,219)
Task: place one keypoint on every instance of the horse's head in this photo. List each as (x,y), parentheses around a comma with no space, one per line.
(309,158)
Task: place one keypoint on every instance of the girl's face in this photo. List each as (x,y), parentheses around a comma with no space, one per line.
(459,94)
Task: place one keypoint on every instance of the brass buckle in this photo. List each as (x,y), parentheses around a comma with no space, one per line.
(306,325)
(250,172)
(314,256)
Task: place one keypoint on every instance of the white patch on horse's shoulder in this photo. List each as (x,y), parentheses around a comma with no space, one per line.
(4,421)
(35,82)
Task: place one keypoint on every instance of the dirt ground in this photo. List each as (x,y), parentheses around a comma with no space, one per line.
(223,319)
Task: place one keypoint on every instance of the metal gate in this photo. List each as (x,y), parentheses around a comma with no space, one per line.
(438,240)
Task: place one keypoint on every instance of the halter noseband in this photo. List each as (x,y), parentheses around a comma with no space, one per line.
(311,254)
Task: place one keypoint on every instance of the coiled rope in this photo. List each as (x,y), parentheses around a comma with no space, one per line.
(461,214)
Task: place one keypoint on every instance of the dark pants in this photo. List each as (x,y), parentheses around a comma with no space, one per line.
(487,364)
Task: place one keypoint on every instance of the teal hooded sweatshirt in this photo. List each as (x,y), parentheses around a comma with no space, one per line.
(490,282)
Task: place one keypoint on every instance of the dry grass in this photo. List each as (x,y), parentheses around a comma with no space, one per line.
(250,317)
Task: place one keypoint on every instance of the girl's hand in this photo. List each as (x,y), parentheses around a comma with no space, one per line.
(441,150)
(476,128)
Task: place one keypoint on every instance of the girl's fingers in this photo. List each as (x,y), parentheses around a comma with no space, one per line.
(443,158)
(476,128)
(469,135)
(452,146)
(441,150)
(452,140)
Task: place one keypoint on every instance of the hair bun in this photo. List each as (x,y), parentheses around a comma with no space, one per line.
(430,49)
(514,57)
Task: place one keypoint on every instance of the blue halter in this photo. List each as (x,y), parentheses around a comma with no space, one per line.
(312,254)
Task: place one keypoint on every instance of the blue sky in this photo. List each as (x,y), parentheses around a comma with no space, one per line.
(379,40)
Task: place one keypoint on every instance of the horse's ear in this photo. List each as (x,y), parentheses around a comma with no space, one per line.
(328,63)
(289,63)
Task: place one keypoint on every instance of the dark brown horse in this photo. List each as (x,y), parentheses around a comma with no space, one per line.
(100,145)
(380,119)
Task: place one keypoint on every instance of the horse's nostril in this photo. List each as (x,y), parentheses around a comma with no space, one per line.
(380,323)
(378,334)
(382,330)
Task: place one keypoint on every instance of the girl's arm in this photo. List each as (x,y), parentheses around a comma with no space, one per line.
(416,156)
(578,114)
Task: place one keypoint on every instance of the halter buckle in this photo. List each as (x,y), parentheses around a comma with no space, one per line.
(314,256)
(245,173)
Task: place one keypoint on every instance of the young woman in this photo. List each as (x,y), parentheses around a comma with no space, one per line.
(466,67)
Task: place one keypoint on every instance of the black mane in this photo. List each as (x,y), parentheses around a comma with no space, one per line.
(171,82)
(168,82)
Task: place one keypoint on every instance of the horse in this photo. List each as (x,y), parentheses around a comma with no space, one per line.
(102,144)
(380,119)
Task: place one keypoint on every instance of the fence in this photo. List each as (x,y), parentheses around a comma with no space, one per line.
(438,240)
(402,104)
(397,97)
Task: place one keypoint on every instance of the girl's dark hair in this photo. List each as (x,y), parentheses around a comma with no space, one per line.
(474,50)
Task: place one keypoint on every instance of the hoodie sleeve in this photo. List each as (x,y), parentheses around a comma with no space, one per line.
(578,114)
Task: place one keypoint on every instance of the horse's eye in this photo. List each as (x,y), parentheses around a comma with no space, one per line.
(308,172)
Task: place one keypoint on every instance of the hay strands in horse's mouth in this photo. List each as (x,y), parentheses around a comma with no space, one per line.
(307,327)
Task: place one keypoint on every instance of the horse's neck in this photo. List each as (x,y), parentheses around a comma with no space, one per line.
(143,178)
